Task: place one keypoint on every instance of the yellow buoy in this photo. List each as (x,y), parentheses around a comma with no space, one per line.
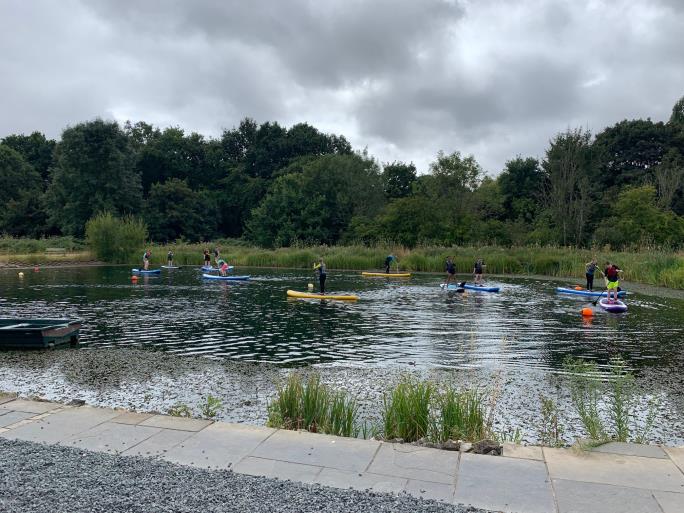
(21,275)
(587,312)
(310,286)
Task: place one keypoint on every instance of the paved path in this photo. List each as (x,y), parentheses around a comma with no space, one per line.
(620,478)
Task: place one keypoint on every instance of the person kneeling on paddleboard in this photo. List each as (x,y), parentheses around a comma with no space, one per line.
(223,267)
(320,269)
(611,274)
(146,259)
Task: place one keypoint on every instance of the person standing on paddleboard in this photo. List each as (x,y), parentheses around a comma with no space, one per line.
(477,271)
(590,270)
(450,270)
(612,275)
(169,259)
(207,258)
(217,254)
(320,269)
(388,263)
(146,259)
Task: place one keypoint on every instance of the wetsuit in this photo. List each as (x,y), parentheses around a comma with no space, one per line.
(388,263)
(321,277)
(591,268)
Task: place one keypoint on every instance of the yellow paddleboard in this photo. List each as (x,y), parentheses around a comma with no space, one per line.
(310,295)
(388,275)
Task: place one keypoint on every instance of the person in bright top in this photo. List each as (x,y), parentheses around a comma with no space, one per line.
(223,267)
(320,269)
(612,275)
(590,269)
(146,259)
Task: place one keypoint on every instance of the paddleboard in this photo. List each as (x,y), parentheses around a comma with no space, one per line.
(612,306)
(170,267)
(477,288)
(452,286)
(388,275)
(584,292)
(216,269)
(149,271)
(225,278)
(310,295)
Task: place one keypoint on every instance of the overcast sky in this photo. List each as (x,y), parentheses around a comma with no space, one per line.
(406,79)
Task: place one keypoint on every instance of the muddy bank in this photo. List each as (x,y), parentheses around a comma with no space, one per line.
(145,380)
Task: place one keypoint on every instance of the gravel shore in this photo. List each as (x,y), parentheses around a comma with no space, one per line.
(36,477)
(154,381)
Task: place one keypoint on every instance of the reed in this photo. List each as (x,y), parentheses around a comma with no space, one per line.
(406,410)
(461,416)
(586,392)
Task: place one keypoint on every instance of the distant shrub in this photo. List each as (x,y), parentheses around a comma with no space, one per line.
(113,239)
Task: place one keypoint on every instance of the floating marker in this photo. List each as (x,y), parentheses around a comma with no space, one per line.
(587,312)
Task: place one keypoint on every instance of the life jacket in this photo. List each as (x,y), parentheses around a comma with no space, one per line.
(612,273)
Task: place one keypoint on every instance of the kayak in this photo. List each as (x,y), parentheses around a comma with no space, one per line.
(149,271)
(584,292)
(388,275)
(612,306)
(311,295)
(170,267)
(225,278)
(210,268)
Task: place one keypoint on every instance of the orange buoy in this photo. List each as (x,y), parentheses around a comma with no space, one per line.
(577,287)
(587,312)
(134,279)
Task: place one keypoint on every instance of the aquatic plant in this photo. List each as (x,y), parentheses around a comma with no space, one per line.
(585,391)
(211,407)
(460,416)
(550,431)
(180,410)
(406,410)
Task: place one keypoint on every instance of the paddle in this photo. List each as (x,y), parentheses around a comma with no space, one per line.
(605,280)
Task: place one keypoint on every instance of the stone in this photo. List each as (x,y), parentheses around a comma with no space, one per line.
(579,497)
(676,454)
(12,417)
(627,449)
(159,443)
(419,463)
(429,490)
(29,406)
(450,445)
(528,452)
(487,447)
(506,484)
(110,437)
(670,502)
(131,418)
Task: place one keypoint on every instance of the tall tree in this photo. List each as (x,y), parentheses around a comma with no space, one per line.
(36,150)
(21,196)
(568,167)
(398,179)
(94,172)
(521,187)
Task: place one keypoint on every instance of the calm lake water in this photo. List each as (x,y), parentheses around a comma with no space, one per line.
(396,322)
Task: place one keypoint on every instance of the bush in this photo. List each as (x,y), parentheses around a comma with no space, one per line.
(113,239)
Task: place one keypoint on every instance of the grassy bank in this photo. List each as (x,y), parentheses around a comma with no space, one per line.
(650,267)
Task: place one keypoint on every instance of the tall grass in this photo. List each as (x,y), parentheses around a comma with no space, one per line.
(461,416)
(311,405)
(113,239)
(23,246)
(406,410)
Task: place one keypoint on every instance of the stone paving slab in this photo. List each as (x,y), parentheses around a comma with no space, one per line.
(318,450)
(159,443)
(676,454)
(628,471)
(110,437)
(428,490)
(627,449)
(132,417)
(670,502)
(280,469)
(62,425)
(219,446)
(528,452)
(5,398)
(12,417)
(507,484)
(29,406)
(579,497)
(413,462)
(180,423)
(361,480)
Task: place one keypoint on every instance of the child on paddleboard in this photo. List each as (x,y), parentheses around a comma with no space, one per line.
(450,270)
(169,259)
(223,267)
(146,259)
(207,258)
(477,271)
(611,273)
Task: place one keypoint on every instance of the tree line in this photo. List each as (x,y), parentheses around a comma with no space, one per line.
(277,186)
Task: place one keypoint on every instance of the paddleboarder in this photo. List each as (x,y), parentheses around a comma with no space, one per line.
(590,270)
(217,255)
(477,271)
(388,263)
(207,258)
(146,259)
(169,259)
(320,269)
(612,275)
(450,270)
(223,267)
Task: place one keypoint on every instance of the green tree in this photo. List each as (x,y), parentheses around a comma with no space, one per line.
(36,150)
(677,116)
(174,210)
(317,204)
(113,239)
(521,187)
(398,179)
(20,195)
(94,172)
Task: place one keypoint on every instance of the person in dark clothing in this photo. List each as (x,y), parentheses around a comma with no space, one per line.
(477,271)
(320,269)
(450,270)
(207,258)
(590,270)
(388,262)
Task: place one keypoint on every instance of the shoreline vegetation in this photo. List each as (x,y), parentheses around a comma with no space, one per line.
(647,266)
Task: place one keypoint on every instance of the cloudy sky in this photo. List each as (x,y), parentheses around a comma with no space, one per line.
(403,78)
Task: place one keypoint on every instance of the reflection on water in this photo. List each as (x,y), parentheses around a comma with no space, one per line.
(395,322)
